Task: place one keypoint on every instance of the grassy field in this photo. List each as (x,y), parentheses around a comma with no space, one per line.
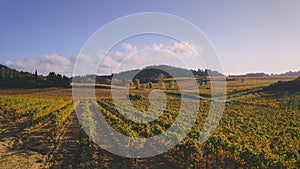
(39,129)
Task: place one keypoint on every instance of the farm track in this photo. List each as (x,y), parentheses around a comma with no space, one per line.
(229,96)
(24,142)
(66,149)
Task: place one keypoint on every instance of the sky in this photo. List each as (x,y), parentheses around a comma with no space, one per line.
(249,35)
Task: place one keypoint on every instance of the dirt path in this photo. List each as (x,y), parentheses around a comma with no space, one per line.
(22,143)
(66,150)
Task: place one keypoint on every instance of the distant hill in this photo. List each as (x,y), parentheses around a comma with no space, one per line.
(150,73)
(290,73)
(147,74)
(289,86)
(11,78)
(288,93)
(261,74)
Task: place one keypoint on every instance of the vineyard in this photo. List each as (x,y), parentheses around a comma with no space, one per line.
(40,129)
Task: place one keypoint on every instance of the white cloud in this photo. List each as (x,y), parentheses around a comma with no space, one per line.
(44,64)
(119,56)
(132,57)
(180,49)
(129,47)
(109,62)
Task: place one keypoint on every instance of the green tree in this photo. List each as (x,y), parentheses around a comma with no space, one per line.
(171,85)
(160,81)
(36,76)
(1,72)
(108,81)
(137,83)
(131,84)
(242,80)
(143,86)
(51,77)
(149,85)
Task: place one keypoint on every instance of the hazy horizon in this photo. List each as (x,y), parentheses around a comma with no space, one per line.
(140,68)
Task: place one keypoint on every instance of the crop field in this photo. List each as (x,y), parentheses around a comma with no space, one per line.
(40,129)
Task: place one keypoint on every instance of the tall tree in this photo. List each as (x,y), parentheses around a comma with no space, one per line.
(138,84)
(160,81)
(1,73)
(36,76)
(171,84)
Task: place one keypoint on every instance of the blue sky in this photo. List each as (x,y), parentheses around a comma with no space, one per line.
(250,35)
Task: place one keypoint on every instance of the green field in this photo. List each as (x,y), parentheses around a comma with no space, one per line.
(39,129)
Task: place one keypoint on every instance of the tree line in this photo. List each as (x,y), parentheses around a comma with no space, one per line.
(146,75)
(11,78)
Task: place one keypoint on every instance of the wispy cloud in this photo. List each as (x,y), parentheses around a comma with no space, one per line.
(133,57)
(44,64)
(129,47)
(105,63)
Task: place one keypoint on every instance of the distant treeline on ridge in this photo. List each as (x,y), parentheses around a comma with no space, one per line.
(11,78)
(149,74)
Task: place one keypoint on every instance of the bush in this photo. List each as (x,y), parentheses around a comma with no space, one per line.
(135,97)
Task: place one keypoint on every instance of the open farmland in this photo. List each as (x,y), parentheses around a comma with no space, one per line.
(39,129)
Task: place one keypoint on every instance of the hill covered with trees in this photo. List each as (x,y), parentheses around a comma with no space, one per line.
(147,74)
(150,73)
(11,78)
(289,73)
(285,86)
(287,93)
